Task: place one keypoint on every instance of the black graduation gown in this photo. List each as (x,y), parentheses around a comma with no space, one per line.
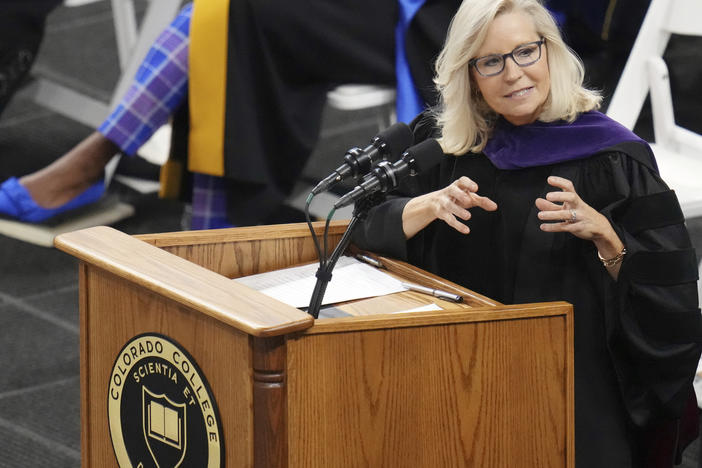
(283,57)
(637,340)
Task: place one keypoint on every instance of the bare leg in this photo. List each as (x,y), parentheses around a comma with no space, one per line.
(159,87)
(72,173)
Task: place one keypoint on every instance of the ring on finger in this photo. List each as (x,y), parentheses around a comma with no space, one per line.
(573,217)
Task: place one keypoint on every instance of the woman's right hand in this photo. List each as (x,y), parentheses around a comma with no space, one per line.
(447,204)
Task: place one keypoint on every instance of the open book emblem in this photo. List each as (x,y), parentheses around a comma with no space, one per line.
(161,409)
(164,429)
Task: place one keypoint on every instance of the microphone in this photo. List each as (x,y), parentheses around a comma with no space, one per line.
(387,144)
(386,176)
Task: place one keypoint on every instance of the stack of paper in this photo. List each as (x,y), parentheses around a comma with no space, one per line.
(351,280)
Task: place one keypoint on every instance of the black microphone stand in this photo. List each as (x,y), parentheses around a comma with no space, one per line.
(324,273)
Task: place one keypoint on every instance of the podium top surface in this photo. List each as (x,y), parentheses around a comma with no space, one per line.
(194,269)
(185,282)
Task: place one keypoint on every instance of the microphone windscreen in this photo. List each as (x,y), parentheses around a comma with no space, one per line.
(397,137)
(426,154)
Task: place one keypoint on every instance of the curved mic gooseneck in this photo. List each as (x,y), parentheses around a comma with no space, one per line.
(385,177)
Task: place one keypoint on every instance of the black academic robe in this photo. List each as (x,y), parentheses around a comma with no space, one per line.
(637,340)
(282,58)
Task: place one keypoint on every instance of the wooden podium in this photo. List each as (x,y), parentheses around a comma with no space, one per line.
(476,384)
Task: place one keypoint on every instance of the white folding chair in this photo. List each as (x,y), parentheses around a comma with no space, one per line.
(361,96)
(678,150)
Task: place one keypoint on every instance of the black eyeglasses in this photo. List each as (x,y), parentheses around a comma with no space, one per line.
(523,55)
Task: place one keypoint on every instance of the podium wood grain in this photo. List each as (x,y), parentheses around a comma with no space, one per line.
(115,310)
(469,393)
(479,384)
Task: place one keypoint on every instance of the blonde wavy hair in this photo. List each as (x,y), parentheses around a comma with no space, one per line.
(463,116)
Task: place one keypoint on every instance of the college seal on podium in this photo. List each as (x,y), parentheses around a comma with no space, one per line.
(161,411)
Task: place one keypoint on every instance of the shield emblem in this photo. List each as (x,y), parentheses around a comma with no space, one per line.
(164,429)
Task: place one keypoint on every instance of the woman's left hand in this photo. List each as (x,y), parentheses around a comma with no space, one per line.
(565,211)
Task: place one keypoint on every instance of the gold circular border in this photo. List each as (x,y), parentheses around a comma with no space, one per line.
(168,349)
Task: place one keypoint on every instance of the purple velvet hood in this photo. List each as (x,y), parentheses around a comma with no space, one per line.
(544,143)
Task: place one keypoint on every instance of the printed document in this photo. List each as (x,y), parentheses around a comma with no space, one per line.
(351,280)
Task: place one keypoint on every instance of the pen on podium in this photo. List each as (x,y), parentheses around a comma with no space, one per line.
(445,295)
(369,260)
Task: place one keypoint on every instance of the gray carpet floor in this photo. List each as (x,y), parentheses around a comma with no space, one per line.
(39,361)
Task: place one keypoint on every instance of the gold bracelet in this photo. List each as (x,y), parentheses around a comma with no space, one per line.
(609,262)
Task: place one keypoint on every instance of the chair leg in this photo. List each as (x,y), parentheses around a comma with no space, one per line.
(699,285)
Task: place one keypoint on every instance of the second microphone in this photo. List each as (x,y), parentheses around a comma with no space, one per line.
(386,176)
(386,145)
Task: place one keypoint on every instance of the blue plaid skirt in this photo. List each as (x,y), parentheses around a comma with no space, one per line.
(158,89)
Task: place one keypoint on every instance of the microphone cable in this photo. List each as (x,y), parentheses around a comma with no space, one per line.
(321,255)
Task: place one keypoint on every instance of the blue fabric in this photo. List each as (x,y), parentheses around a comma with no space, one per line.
(560,17)
(544,143)
(209,202)
(159,87)
(17,203)
(408,103)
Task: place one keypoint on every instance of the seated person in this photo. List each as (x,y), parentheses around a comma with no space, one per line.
(540,197)
(252,131)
